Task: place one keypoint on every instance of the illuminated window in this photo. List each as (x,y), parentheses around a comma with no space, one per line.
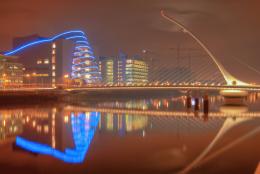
(53,67)
(54,45)
(87,76)
(53,52)
(87,62)
(46,61)
(129,61)
(39,62)
(53,74)
(53,59)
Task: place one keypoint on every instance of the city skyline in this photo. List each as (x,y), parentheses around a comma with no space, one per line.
(108,23)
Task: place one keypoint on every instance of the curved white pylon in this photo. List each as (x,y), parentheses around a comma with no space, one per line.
(231,80)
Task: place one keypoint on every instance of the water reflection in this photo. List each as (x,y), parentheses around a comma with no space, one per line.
(165,130)
(83,128)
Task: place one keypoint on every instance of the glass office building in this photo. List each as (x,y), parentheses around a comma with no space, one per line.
(123,71)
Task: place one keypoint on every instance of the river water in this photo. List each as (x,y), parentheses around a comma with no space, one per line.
(176,133)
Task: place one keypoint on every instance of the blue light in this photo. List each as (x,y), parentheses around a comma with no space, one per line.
(82,139)
(82,42)
(12,52)
(74,67)
(76,37)
(82,52)
(83,57)
(77,47)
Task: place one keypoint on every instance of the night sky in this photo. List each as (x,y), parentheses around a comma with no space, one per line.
(230,28)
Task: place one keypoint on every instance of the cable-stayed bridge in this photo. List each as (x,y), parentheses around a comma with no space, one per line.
(203,72)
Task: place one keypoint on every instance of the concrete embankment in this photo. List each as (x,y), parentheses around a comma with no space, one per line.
(13,97)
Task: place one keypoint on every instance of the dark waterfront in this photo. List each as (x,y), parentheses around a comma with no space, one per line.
(196,132)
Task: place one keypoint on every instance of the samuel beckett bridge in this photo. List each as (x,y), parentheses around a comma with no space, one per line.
(88,73)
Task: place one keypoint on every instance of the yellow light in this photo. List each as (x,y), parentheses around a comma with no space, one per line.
(66,76)
(34,123)
(66,119)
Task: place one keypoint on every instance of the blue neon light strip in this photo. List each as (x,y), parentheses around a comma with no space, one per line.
(76,37)
(84,57)
(90,67)
(83,52)
(82,42)
(84,46)
(83,132)
(43,41)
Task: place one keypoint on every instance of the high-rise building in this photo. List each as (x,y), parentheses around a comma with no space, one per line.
(123,70)
(11,72)
(107,66)
(136,71)
(51,60)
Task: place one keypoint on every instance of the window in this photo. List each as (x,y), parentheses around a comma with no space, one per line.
(87,76)
(46,61)
(53,59)
(87,62)
(39,62)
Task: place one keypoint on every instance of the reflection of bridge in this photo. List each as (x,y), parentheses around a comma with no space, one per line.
(84,122)
(161,113)
(228,125)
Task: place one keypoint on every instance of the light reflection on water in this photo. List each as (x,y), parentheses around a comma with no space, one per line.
(68,133)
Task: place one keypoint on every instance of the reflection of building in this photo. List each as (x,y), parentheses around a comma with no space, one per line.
(123,70)
(10,125)
(65,137)
(11,73)
(124,122)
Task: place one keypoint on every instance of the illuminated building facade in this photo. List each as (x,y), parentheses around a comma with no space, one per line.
(123,70)
(107,68)
(136,71)
(50,60)
(11,72)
